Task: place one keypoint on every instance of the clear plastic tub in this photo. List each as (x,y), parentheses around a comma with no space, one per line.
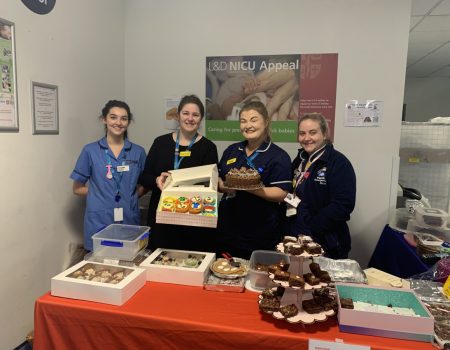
(259,279)
(118,241)
(431,217)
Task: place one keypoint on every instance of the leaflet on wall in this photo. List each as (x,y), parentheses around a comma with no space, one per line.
(171,116)
(363,113)
(288,85)
(9,119)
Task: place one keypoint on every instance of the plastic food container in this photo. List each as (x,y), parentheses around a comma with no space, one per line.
(259,279)
(431,217)
(120,241)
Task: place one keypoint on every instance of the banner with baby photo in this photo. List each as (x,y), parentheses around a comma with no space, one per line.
(288,85)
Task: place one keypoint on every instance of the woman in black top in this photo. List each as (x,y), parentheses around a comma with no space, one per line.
(161,158)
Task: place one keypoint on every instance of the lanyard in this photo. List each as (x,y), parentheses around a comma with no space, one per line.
(251,159)
(178,159)
(301,177)
(113,174)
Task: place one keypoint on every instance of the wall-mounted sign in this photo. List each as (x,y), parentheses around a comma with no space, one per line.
(41,7)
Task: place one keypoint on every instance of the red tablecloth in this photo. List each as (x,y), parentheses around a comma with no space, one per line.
(168,316)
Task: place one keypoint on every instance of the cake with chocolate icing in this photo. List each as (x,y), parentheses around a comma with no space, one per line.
(242,178)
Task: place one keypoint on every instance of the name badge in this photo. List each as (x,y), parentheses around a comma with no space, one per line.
(291,211)
(185,154)
(122,168)
(292,200)
(118,214)
(231,161)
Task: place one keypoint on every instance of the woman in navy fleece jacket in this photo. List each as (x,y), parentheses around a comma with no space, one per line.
(325,184)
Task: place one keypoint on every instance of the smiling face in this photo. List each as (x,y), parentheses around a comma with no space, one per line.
(253,126)
(190,118)
(310,135)
(116,122)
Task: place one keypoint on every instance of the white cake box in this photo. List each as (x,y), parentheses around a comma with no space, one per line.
(419,327)
(198,181)
(66,284)
(169,266)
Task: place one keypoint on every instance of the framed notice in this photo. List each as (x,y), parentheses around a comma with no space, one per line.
(9,117)
(45,108)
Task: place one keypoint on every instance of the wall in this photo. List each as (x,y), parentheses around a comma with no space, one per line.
(79,47)
(167,42)
(82,48)
(427,98)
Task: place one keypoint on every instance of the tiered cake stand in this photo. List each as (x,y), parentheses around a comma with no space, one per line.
(299,264)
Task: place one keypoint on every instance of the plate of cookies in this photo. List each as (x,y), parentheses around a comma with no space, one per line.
(224,268)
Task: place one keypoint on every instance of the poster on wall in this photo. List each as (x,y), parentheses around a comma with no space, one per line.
(9,119)
(288,85)
(45,108)
(363,113)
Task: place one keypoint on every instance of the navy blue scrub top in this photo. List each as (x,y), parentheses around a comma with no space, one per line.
(251,221)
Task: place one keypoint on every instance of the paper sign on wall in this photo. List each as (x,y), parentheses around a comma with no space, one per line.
(363,113)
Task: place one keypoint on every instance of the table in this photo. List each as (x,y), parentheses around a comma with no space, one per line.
(169,316)
(395,256)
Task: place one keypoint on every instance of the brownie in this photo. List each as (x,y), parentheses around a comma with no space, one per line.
(324,277)
(261,267)
(296,281)
(288,239)
(313,248)
(324,298)
(289,310)
(281,275)
(296,249)
(284,266)
(273,268)
(268,294)
(305,239)
(311,307)
(346,303)
(315,269)
(269,305)
(311,279)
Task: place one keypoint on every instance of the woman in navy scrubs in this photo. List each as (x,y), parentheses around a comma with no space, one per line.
(111,166)
(325,186)
(253,219)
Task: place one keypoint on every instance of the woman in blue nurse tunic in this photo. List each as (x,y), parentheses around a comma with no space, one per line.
(254,219)
(107,173)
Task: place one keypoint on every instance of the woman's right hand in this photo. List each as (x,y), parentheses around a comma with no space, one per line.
(161,179)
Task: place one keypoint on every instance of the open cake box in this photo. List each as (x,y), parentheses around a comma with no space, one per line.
(102,283)
(178,266)
(419,326)
(198,183)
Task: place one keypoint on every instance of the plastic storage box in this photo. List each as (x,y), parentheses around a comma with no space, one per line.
(431,217)
(259,279)
(120,241)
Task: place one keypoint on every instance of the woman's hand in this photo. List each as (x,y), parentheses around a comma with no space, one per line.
(223,189)
(80,189)
(161,179)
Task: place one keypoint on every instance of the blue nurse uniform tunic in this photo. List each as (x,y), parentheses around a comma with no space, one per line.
(101,197)
(247,222)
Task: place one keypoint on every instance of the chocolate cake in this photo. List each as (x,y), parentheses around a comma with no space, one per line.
(296,249)
(242,178)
